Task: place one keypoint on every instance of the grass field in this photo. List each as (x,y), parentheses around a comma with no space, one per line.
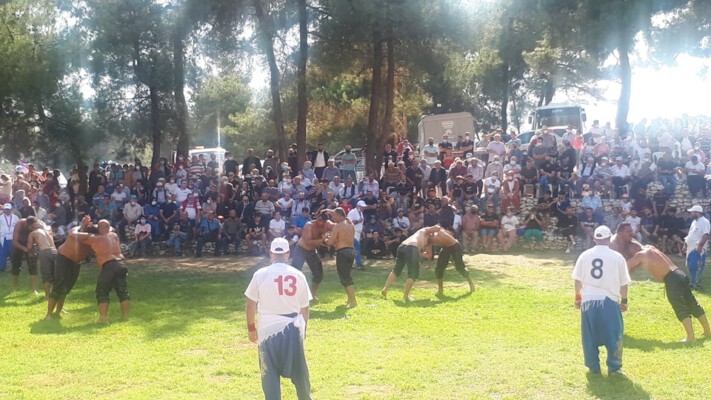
(517,337)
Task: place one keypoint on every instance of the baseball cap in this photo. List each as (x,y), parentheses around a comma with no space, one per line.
(618,159)
(696,208)
(360,204)
(279,246)
(602,232)
(7,206)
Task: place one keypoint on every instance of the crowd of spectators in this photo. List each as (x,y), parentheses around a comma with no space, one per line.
(474,189)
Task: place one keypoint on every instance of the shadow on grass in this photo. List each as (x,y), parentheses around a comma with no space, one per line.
(338,313)
(424,303)
(55,327)
(449,299)
(618,387)
(648,345)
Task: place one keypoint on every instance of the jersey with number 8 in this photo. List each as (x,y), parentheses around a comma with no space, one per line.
(602,272)
(279,289)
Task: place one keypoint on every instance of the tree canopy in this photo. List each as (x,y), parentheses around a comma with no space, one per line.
(99,79)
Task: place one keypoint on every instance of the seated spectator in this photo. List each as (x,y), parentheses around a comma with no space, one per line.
(256,231)
(401,221)
(489,228)
(301,220)
(567,226)
(431,217)
(649,227)
(534,229)
(277,227)
(348,191)
(588,222)
(151,212)
(232,232)
(470,229)
(592,201)
(621,176)
(142,238)
(491,190)
(511,193)
(635,222)
(375,247)
(666,171)
(209,230)
(284,205)
(181,232)
(507,234)
(614,219)
(695,171)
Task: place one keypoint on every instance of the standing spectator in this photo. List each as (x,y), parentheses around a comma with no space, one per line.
(470,229)
(7,230)
(601,280)
(438,178)
(444,147)
(430,152)
(280,295)
(695,245)
(389,155)
(348,164)
(230,164)
(271,161)
(496,148)
(250,160)
(319,158)
(232,232)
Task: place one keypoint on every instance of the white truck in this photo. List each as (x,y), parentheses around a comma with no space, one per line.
(435,126)
(557,117)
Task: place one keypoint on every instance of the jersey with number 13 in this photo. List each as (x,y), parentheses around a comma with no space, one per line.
(602,271)
(279,289)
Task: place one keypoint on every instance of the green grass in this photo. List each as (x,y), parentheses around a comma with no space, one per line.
(517,337)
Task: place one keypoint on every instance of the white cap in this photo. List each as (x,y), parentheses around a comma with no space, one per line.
(279,246)
(360,204)
(7,206)
(602,232)
(696,208)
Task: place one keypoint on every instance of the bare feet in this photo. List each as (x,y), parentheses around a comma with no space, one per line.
(439,293)
(408,299)
(384,293)
(48,317)
(688,340)
(351,305)
(102,321)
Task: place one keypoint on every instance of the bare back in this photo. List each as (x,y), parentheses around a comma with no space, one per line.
(73,249)
(342,235)
(654,261)
(311,237)
(42,239)
(106,247)
(442,238)
(418,239)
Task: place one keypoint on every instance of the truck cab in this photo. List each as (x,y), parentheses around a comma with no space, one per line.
(557,117)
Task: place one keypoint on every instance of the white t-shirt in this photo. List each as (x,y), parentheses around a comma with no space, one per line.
(509,223)
(402,223)
(430,153)
(602,271)
(356,218)
(279,227)
(278,289)
(698,229)
(491,185)
(182,194)
(457,222)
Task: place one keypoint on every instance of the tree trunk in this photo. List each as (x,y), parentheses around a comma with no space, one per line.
(549,91)
(387,126)
(374,154)
(623,104)
(181,107)
(505,98)
(155,124)
(266,39)
(303,101)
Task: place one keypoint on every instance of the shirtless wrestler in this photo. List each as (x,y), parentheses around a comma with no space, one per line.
(408,253)
(46,253)
(676,283)
(341,238)
(450,248)
(66,267)
(107,248)
(305,250)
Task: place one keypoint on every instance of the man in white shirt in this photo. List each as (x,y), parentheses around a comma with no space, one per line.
(7,229)
(695,176)
(621,175)
(430,152)
(695,245)
(401,221)
(182,193)
(277,226)
(356,217)
(601,280)
(281,295)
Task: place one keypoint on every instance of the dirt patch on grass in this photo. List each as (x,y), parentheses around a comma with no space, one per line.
(217,264)
(193,353)
(355,392)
